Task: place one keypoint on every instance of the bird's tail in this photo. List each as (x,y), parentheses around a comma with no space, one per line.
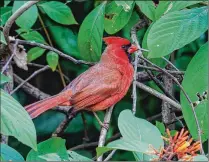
(39,107)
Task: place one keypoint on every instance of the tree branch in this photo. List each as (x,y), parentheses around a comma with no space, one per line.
(104,130)
(158,95)
(134,29)
(33,43)
(167,114)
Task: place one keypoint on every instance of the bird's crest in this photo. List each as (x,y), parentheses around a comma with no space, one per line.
(116,40)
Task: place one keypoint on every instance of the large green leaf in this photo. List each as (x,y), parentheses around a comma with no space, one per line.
(31,35)
(5,13)
(59,12)
(175,30)
(16,122)
(134,128)
(52,59)
(4,79)
(125,144)
(116,18)
(138,134)
(148,8)
(165,7)
(10,154)
(77,157)
(91,33)
(196,81)
(51,157)
(35,53)
(64,37)
(158,61)
(28,18)
(53,145)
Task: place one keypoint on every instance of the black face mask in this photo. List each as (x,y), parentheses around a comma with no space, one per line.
(125,48)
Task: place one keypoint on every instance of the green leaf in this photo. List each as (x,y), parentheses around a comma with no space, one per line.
(53,145)
(4,79)
(28,18)
(165,7)
(144,157)
(77,157)
(158,61)
(116,18)
(5,13)
(134,128)
(127,5)
(125,144)
(59,12)
(175,30)
(161,127)
(16,122)
(52,59)
(91,33)
(10,154)
(196,81)
(51,157)
(148,8)
(2,40)
(64,38)
(35,53)
(200,158)
(31,35)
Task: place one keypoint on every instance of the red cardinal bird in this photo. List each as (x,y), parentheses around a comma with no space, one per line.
(100,87)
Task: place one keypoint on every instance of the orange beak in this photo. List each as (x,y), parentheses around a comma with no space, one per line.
(132,49)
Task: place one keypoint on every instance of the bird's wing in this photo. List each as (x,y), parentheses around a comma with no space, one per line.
(95,86)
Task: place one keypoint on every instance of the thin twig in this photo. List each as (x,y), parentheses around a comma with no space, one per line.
(134,95)
(158,95)
(155,69)
(134,29)
(41,66)
(33,43)
(104,130)
(110,155)
(185,94)
(30,77)
(171,64)
(63,125)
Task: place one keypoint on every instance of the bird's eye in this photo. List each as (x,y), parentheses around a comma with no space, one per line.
(123,47)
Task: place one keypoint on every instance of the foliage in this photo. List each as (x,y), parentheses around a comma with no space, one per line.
(175,30)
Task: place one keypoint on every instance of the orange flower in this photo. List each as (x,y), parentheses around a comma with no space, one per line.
(178,147)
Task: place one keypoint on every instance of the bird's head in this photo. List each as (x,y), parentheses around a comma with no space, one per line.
(121,46)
